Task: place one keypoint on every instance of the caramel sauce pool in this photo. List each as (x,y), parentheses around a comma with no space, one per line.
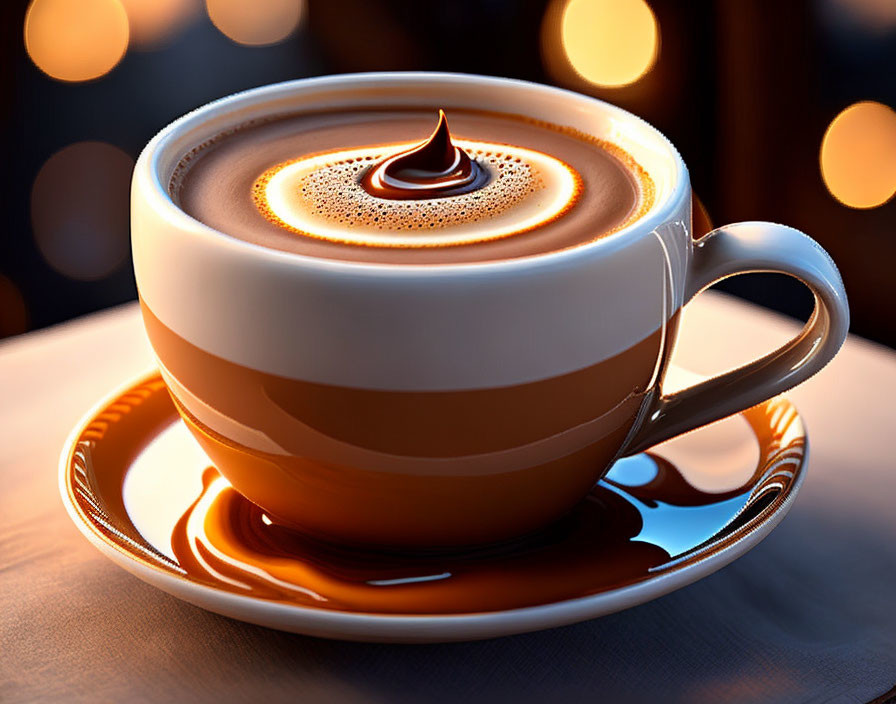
(227,539)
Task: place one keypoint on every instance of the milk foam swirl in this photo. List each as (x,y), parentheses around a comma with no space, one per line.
(330,196)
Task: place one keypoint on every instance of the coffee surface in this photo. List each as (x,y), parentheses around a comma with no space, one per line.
(302,183)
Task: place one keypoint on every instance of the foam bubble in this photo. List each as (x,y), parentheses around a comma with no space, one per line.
(321,196)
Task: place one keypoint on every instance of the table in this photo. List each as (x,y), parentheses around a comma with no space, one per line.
(808,616)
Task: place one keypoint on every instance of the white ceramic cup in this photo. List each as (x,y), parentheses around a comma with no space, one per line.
(437,405)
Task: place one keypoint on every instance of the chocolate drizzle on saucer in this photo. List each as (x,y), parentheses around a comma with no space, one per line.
(435,168)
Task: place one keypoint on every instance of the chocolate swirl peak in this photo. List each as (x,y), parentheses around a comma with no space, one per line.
(434,169)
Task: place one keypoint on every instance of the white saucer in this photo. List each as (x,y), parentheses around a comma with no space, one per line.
(130,470)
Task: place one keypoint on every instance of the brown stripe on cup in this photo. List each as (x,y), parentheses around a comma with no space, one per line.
(350,464)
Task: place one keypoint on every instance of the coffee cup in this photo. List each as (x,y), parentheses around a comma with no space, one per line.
(435,405)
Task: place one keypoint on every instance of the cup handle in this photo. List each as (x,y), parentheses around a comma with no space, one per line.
(744,248)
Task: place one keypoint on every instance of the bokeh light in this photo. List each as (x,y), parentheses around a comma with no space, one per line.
(79,209)
(76,40)
(609,43)
(256,22)
(858,155)
(13,313)
(876,15)
(154,22)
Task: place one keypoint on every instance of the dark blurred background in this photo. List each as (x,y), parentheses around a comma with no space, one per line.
(782,110)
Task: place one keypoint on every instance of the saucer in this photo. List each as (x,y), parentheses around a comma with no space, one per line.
(140,489)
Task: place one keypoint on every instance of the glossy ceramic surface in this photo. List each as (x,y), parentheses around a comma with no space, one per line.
(372,403)
(140,489)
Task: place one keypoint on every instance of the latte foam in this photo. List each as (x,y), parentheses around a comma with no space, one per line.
(380,185)
(322,196)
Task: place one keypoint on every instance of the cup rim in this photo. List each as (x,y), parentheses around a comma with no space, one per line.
(147,178)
